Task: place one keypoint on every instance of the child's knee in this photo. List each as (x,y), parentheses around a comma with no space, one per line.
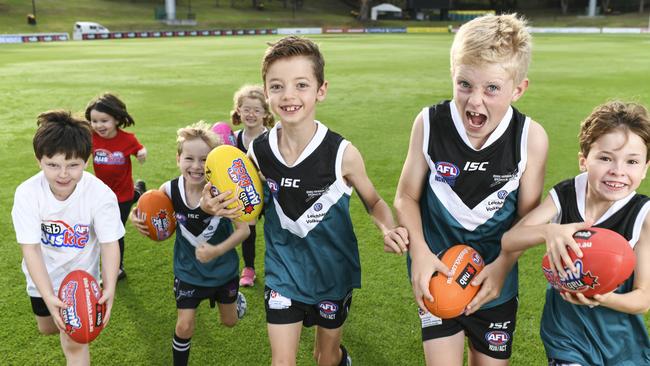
(47,330)
(184,329)
(229,321)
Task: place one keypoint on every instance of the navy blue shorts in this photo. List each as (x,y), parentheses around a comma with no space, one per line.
(189,296)
(329,314)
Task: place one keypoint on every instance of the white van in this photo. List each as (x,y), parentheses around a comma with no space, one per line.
(81,28)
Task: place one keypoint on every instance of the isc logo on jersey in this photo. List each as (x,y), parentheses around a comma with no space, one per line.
(497,340)
(472,166)
(446,172)
(59,234)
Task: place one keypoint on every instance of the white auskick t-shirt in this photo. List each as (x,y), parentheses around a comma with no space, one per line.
(68,231)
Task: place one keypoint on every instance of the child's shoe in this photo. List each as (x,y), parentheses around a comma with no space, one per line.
(247,278)
(121,274)
(140,186)
(241,305)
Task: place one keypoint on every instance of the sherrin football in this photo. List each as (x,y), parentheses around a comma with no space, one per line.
(607,261)
(229,169)
(83,315)
(158,213)
(452,294)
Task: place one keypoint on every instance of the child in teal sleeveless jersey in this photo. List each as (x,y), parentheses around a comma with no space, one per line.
(311,259)
(607,329)
(475,164)
(206,265)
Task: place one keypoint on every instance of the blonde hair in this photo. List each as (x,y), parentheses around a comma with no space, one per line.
(199,130)
(494,39)
(605,118)
(252,92)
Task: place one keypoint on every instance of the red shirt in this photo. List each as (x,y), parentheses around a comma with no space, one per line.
(112,162)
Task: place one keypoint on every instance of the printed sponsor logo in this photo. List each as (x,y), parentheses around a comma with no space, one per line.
(502,194)
(161,223)
(318,206)
(248,196)
(504,178)
(476,258)
(69,311)
(497,340)
(573,282)
(105,157)
(446,172)
(466,276)
(583,234)
(58,233)
(472,166)
(328,309)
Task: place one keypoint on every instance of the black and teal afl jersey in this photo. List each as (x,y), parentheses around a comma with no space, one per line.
(469,195)
(311,250)
(193,227)
(599,335)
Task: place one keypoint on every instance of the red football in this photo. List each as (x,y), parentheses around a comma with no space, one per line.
(158,213)
(83,315)
(452,294)
(607,261)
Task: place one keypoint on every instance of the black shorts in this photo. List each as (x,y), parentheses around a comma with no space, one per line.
(329,314)
(489,331)
(189,296)
(556,362)
(38,306)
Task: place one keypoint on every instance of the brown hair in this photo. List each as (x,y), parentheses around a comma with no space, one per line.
(494,39)
(615,114)
(199,130)
(292,46)
(252,92)
(113,106)
(60,133)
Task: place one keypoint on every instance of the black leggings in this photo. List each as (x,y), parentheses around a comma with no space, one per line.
(248,248)
(125,210)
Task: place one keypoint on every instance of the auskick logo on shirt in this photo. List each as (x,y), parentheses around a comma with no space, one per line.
(58,233)
(106,157)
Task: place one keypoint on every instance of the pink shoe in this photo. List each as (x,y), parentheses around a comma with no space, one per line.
(247,278)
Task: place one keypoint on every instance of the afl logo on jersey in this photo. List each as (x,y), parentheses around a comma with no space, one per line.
(446,172)
(273,185)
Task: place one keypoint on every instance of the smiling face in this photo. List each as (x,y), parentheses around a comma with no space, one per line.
(292,89)
(104,124)
(191,161)
(62,174)
(482,95)
(251,112)
(616,164)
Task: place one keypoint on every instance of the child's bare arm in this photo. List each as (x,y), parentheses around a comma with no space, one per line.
(354,171)
(110,256)
(207,252)
(407,198)
(37,270)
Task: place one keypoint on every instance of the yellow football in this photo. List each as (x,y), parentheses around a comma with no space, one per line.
(229,169)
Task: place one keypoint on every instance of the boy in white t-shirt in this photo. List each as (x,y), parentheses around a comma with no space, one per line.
(64,218)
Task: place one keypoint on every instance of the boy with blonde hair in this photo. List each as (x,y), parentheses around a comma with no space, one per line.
(474,165)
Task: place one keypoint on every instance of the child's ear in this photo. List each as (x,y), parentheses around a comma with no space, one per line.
(519,90)
(321,93)
(582,162)
(178,159)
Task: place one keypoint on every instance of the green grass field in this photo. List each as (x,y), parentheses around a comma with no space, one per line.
(377,86)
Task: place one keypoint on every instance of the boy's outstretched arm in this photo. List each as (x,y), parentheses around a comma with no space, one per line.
(531,185)
(354,170)
(37,270)
(110,257)
(407,204)
(207,252)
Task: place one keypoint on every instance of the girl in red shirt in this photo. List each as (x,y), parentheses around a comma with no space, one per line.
(112,150)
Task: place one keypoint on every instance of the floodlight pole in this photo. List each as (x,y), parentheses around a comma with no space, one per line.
(34,7)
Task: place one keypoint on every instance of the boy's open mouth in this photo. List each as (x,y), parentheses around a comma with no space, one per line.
(476,120)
